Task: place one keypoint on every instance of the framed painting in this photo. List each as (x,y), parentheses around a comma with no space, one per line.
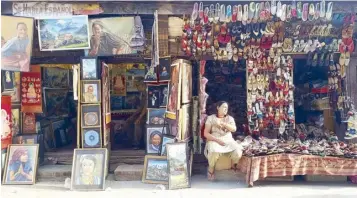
(156,116)
(7,78)
(115,35)
(106,95)
(29,123)
(185,121)
(155,170)
(164,69)
(173,103)
(164,95)
(88,169)
(92,137)
(16,119)
(49,138)
(132,100)
(89,69)
(179,176)
(16,43)
(118,81)
(63,33)
(153,138)
(55,101)
(91,115)
(116,102)
(54,77)
(16,92)
(91,91)
(26,139)
(134,77)
(153,96)
(21,164)
(186,76)
(6,118)
(166,139)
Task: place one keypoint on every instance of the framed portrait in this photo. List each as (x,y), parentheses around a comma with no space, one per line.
(54,77)
(153,138)
(156,116)
(186,82)
(89,69)
(16,119)
(49,138)
(179,176)
(91,115)
(63,33)
(16,43)
(60,132)
(29,123)
(26,139)
(21,164)
(7,78)
(91,91)
(153,96)
(166,139)
(88,169)
(164,69)
(91,137)
(150,74)
(155,170)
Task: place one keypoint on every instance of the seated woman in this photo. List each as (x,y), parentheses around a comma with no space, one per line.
(218,132)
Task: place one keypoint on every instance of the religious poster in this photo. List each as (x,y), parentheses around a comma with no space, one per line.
(119,81)
(29,123)
(31,92)
(6,117)
(63,33)
(174,91)
(115,35)
(16,43)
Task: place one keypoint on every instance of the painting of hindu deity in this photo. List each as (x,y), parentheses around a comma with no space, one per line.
(88,170)
(64,33)
(16,43)
(115,35)
(55,77)
(21,164)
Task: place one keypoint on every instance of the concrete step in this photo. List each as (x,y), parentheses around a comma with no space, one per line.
(125,172)
(57,173)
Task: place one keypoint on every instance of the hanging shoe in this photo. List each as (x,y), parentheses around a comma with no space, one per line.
(322,9)
(299,10)
(235,13)
(329,11)
(217,13)
(229,14)
(278,9)
(211,14)
(200,11)
(240,13)
(305,11)
(222,16)
(311,12)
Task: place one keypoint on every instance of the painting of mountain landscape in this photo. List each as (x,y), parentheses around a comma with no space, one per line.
(67,33)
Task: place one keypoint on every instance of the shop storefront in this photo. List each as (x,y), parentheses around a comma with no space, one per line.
(90,85)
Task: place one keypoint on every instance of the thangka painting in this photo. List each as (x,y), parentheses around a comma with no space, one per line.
(16,43)
(115,35)
(64,33)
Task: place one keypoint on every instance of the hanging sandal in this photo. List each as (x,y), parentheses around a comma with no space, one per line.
(245,14)
(229,14)
(278,9)
(347,58)
(235,13)
(299,9)
(293,9)
(222,16)
(305,11)
(240,13)
(311,12)
(211,13)
(217,13)
(323,9)
(273,7)
(329,11)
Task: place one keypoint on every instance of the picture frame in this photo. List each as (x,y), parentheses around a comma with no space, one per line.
(156,116)
(95,160)
(91,91)
(3,161)
(26,139)
(92,137)
(55,101)
(91,115)
(179,176)
(166,139)
(155,170)
(59,131)
(54,77)
(164,69)
(153,138)
(153,98)
(14,152)
(186,82)
(28,123)
(89,68)
(49,138)
(164,95)
(16,117)
(7,80)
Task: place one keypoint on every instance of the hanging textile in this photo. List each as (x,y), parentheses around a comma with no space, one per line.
(31,92)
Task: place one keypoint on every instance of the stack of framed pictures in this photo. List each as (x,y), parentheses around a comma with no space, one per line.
(90,98)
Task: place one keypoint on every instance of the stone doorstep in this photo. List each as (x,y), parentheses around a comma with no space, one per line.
(54,172)
(125,172)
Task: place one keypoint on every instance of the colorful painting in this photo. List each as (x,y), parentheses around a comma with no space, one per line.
(153,138)
(155,170)
(26,139)
(64,33)
(91,91)
(178,166)
(164,69)
(16,43)
(88,170)
(55,77)
(185,121)
(119,81)
(29,123)
(186,83)
(16,120)
(89,68)
(21,164)
(166,139)
(113,36)
(174,87)
(132,76)
(156,116)
(6,118)
(31,92)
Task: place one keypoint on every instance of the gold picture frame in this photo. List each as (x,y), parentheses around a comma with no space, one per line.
(91,96)
(159,163)
(91,113)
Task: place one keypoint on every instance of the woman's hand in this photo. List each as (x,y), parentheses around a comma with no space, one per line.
(220,142)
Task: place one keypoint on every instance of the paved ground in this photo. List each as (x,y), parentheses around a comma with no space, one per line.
(201,188)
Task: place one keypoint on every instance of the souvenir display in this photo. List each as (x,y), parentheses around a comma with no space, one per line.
(6,117)
(91,115)
(91,91)
(16,43)
(55,77)
(8,83)
(164,69)
(15,157)
(88,170)
(179,176)
(153,138)
(166,139)
(91,138)
(118,81)
(16,120)
(89,69)
(156,116)
(31,92)
(28,123)
(155,170)
(76,34)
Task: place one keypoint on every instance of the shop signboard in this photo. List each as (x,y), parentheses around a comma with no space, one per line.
(41,9)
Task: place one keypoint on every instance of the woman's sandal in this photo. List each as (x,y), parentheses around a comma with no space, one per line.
(210,176)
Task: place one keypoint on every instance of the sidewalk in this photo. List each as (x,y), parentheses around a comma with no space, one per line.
(201,188)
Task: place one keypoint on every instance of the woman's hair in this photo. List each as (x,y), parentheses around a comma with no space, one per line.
(220,103)
(88,157)
(153,134)
(98,23)
(17,154)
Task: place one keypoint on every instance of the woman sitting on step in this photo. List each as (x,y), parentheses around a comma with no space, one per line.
(218,132)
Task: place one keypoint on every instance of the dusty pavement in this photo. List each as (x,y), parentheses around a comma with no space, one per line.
(201,188)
